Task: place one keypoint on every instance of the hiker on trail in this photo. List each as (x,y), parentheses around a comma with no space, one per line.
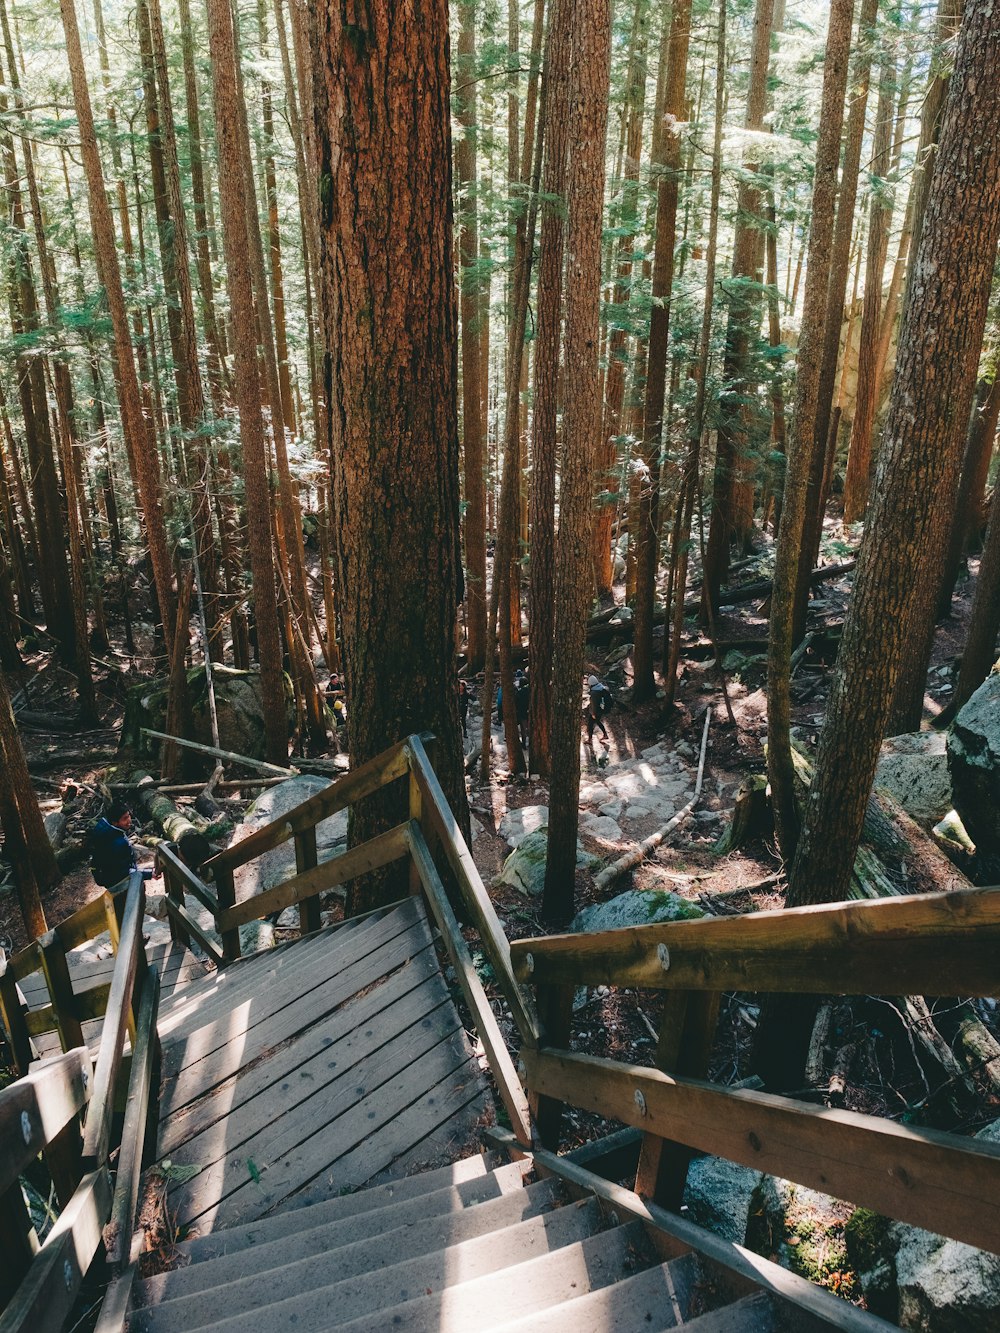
(597,705)
(112,856)
(463,706)
(336,700)
(522,696)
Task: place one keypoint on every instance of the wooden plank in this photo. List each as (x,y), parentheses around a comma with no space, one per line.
(118,1233)
(509,1085)
(225,887)
(98,1131)
(12,1014)
(341,793)
(115,1307)
(60,988)
(37,1107)
(929,1179)
(195,886)
(27,961)
(380,851)
(945,943)
(48,1291)
(270,991)
(225,1059)
(281,1080)
(487,923)
(366,1138)
(176,1131)
(178,912)
(86,923)
(89,1004)
(306,858)
(288,1137)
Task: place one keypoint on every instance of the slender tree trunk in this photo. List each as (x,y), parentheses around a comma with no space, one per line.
(734,440)
(26,844)
(667,163)
(979,654)
(591,55)
(393,416)
(975,464)
(810,353)
(547,347)
(246,383)
(472,417)
(146,474)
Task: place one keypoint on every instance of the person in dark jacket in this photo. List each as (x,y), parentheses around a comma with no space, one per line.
(112,856)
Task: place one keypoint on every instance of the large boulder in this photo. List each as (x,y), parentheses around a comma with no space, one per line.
(522,820)
(277,865)
(637,907)
(800,1229)
(717,1196)
(913,769)
(974,763)
(524,869)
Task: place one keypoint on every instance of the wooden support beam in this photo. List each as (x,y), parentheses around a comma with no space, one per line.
(13,1015)
(37,1107)
(306,858)
(60,988)
(929,1179)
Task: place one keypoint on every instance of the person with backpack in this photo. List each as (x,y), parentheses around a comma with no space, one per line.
(522,696)
(112,856)
(597,705)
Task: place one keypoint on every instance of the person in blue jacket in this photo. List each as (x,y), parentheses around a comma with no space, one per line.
(112,856)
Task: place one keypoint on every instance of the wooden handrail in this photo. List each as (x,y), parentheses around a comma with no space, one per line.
(941,942)
(183,872)
(371,855)
(342,792)
(500,1062)
(487,923)
(920,1176)
(98,1131)
(35,1109)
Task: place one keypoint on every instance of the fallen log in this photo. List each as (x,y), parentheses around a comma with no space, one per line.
(192,845)
(232,758)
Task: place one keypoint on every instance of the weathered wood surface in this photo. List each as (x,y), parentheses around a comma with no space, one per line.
(933,1180)
(339,1056)
(938,944)
(36,1108)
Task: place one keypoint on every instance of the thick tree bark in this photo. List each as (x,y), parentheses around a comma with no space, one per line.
(667,163)
(574,571)
(390,319)
(810,354)
(246,383)
(936,371)
(547,347)
(26,844)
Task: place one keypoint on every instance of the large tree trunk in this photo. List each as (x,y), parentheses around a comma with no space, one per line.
(26,844)
(387,265)
(944,326)
(810,355)
(574,572)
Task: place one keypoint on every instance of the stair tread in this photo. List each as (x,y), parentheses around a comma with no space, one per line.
(270,1273)
(664,1296)
(458,1185)
(751,1314)
(367,1300)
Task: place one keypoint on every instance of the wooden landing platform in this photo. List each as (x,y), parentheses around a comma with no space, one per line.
(176,965)
(311,1070)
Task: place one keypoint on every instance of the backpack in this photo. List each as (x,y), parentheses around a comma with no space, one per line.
(600,700)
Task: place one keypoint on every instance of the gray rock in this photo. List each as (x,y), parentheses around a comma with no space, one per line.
(524,869)
(617,656)
(518,823)
(278,865)
(600,826)
(637,907)
(974,763)
(717,1196)
(798,1228)
(55,827)
(913,769)
(623,616)
(946,1286)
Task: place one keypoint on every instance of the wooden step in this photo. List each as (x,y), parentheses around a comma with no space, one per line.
(449,1189)
(272,977)
(752,1314)
(535,1284)
(378,1294)
(272,1272)
(661,1297)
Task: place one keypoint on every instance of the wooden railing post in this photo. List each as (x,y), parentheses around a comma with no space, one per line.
(306,858)
(175,893)
(687,1028)
(12,1012)
(555,1014)
(60,987)
(18,1240)
(225,888)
